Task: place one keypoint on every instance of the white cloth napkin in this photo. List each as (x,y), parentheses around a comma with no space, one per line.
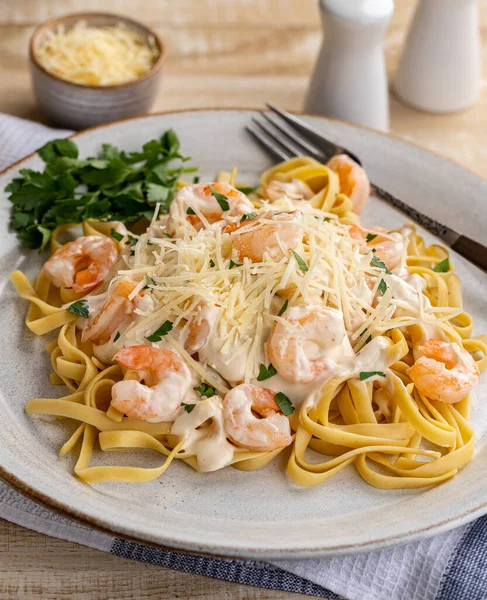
(419,571)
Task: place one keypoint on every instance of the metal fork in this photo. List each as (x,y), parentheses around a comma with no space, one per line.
(284,136)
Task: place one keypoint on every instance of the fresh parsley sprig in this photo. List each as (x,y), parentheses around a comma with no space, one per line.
(115,186)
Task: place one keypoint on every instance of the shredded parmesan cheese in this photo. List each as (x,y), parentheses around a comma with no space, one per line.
(194,284)
(101,56)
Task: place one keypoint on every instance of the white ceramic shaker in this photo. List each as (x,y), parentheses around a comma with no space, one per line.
(440,68)
(350,80)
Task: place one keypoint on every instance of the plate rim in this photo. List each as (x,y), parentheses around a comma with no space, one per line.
(115,530)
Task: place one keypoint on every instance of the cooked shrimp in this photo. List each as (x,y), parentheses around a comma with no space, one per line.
(116,309)
(295,189)
(82,264)
(245,429)
(389,247)
(445,371)
(306,349)
(274,232)
(201,198)
(166,382)
(354,182)
(199,327)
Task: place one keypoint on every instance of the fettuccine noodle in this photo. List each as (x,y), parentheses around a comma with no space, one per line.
(325,321)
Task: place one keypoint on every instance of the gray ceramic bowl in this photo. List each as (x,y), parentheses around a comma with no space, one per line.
(79,106)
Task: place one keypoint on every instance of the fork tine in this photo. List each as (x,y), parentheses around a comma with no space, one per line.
(301,143)
(328,147)
(274,133)
(267,143)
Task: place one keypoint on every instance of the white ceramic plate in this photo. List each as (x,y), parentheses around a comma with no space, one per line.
(234,513)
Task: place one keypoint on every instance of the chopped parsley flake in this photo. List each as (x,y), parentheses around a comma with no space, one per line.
(266,372)
(249,216)
(190,211)
(283,308)
(247,190)
(302,265)
(370,237)
(234,264)
(79,308)
(212,262)
(158,334)
(132,241)
(382,286)
(188,407)
(284,404)
(150,281)
(376,262)
(117,335)
(366,374)
(206,390)
(442,267)
(221,199)
(115,235)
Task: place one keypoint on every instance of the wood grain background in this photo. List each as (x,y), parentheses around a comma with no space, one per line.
(238,53)
(219,53)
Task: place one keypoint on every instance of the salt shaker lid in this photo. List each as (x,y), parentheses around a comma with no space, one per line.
(361,11)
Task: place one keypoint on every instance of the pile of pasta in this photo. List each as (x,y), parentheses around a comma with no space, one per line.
(395,436)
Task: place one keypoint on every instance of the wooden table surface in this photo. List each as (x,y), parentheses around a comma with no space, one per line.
(220,53)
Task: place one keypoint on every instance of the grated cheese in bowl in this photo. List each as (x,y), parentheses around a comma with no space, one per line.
(101,56)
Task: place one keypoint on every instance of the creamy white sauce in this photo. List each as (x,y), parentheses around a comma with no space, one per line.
(144,303)
(298,393)
(106,352)
(345,365)
(371,358)
(231,365)
(95,303)
(204,435)
(408,294)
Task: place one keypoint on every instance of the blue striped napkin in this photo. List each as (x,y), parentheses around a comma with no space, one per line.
(451,566)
